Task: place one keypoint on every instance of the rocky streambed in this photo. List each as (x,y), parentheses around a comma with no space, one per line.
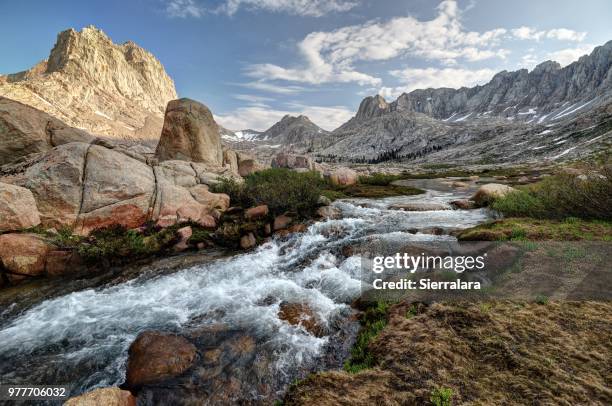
(248,324)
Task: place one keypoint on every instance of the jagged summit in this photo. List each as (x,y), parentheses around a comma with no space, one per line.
(92,83)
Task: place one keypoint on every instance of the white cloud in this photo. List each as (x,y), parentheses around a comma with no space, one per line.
(330,56)
(563,34)
(312,8)
(250,98)
(434,78)
(272,88)
(569,55)
(263,117)
(184,8)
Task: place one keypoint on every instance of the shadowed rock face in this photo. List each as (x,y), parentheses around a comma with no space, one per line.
(25,130)
(91,83)
(190,133)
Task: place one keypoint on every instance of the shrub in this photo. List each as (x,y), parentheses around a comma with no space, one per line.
(281,189)
(441,396)
(373,322)
(562,196)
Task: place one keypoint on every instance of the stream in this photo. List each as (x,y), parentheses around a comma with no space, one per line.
(81,338)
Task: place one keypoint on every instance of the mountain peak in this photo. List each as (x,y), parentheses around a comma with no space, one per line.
(372,106)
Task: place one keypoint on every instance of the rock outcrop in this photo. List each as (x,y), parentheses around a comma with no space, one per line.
(91,83)
(112,396)
(343,177)
(293,161)
(17,208)
(190,133)
(25,130)
(489,192)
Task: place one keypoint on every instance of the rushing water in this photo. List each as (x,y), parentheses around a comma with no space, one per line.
(83,337)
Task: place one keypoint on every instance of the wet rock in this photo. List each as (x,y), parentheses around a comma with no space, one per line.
(329,212)
(323,201)
(112,396)
(460,185)
(257,212)
(248,241)
(190,133)
(155,356)
(343,177)
(23,255)
(17,208)
(487,193)
(419,206)
(300,314)
(281,222)
(433,231)
(463,204)
(60,263)
(184,234)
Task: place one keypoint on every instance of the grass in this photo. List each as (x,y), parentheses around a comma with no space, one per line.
(374,186)
(562,196)
(373,321)
(529,229)
(441,396)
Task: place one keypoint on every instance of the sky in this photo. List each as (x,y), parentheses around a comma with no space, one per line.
(253,61)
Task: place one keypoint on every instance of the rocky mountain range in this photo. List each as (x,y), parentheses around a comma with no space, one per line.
(548,113)
(91,83)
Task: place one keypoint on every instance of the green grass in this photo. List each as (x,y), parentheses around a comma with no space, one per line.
(373,321)
(441,396)
(378,179)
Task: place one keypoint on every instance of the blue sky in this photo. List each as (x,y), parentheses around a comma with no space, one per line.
(252,61)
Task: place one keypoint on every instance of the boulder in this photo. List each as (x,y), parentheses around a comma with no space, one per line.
(17,208)
(300,314)
(23,255)
(184,234)
(112,396)
(329,212)
(118,190)
(247,164)
(190,133)
(281,222)
(155,356)
(230,159)
(292,161)
(213,201)
(487,193)
(248,241)
(343,177)
(323,201)
(256,212)
(25,130)
(419,206)
(463,204)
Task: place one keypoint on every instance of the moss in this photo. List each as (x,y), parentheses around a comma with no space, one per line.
(537,229)
(373,321)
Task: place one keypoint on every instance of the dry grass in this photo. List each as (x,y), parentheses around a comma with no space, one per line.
(557,353)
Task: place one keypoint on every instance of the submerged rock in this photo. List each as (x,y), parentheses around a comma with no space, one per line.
(155,356)
(300,314)
(419,206)
(463,204)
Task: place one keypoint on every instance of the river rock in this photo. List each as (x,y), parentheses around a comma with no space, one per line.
(343,177)
(463,204)
(256,212)
(323,201)
(281,222)
(419,206)
(487,193)
(17,208)
(329,212)
(112,396)
(23,255)
(184,234)
(247,241)
(190,133)
(300,314)
(155,356)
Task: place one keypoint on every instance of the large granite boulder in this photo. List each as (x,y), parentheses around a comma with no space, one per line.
(25,130)
(23,255)
(190,133)
(343,177)
(489,192)
(17,208)
(293,161)
(247,164)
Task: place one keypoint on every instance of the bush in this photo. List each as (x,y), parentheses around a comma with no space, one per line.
(373,322)
(281,189)
(441,396)
(562,196)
